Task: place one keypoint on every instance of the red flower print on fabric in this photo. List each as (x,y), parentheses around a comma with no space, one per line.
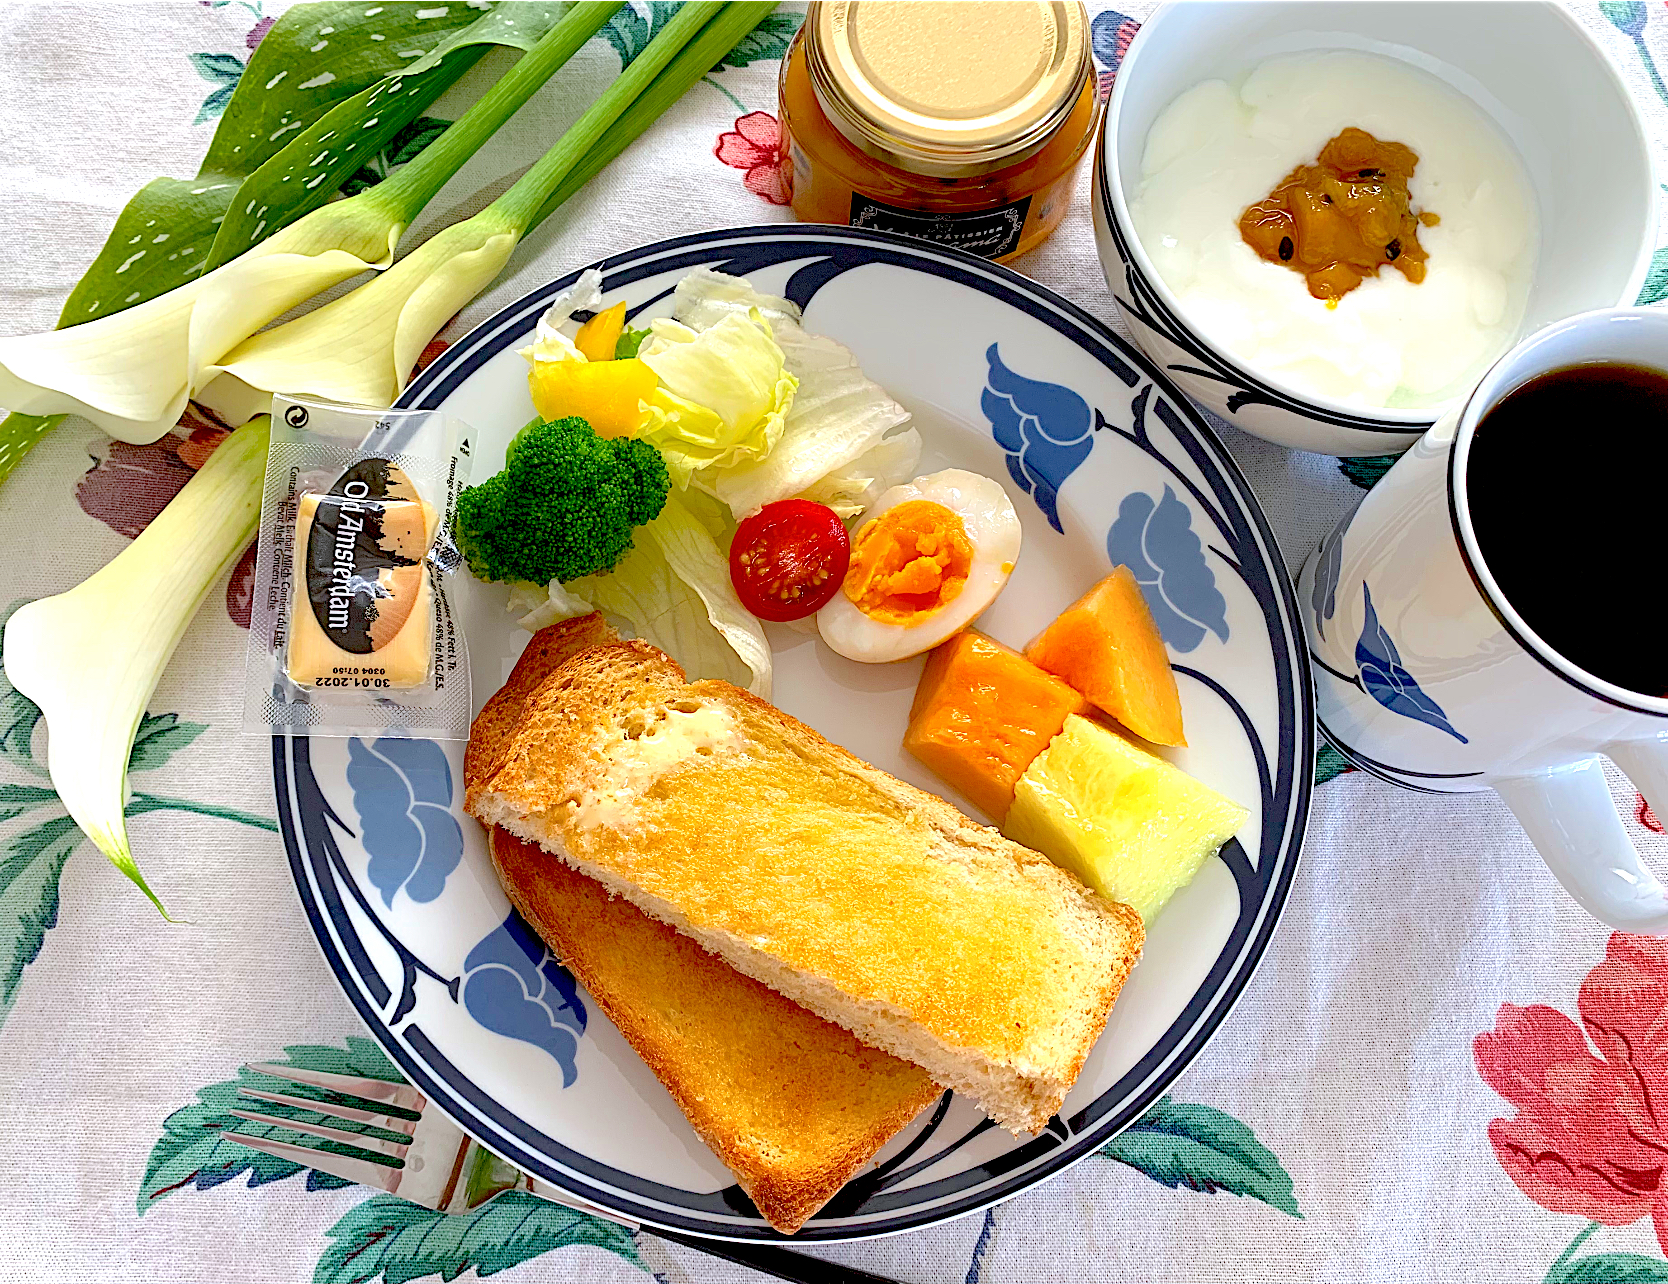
(755,145)
(1591,1132)
(128,485)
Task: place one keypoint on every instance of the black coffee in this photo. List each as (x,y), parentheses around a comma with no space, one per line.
(1567,486)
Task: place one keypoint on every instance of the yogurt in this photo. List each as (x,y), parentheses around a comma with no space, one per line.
(1389,343)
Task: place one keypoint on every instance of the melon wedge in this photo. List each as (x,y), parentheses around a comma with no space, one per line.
(1107,646)
(1130,825)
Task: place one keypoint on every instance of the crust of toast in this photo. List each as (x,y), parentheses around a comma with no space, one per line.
(874,904)
(793,1105)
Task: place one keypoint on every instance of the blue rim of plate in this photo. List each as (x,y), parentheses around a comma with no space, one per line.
(305,816)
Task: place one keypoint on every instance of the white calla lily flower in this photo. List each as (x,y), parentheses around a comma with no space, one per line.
(132,372)
(361,347)
(91,657)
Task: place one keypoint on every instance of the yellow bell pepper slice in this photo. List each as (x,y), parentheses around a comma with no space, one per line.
(597,337)
(609,395)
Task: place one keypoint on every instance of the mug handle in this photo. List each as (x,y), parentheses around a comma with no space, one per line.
(1571,819)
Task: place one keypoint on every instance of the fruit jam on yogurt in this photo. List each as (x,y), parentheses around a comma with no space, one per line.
(1391,340)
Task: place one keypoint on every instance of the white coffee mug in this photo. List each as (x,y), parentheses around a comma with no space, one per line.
(1427,677)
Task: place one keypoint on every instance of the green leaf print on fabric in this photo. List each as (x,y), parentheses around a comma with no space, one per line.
(402,147)
(630,29)
(160,737)
(388,1239)
(1330,764)
(1610,1268)
(192,1152)
(37,837)
(222,71)
(31,862)
(1179,1144)
(1655,288)
(770,39)
(1629,17)
(1366,470)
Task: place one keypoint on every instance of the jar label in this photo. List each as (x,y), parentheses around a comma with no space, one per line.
(988,233)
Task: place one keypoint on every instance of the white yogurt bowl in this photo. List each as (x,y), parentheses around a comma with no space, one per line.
(1529,66)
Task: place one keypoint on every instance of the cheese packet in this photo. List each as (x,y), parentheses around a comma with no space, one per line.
(351,632)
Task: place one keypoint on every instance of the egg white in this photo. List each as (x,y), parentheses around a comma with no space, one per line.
(992,528)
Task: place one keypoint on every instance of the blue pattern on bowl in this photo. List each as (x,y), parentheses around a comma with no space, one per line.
(1384,678)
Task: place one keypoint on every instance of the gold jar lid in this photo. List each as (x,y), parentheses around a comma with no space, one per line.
(947,87)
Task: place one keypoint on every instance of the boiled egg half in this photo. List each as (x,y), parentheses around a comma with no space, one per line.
(927,558)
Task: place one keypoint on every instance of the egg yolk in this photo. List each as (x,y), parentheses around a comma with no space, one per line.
(908,563)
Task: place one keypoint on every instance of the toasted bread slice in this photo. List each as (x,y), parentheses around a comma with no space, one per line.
(793,1105)
(875,905)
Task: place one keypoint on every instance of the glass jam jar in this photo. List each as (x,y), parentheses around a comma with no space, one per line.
(957,123)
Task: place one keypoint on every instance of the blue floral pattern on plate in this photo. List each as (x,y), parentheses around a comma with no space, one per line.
(402,790)
(1045,429)
(1323,596)
(1156,541)
(513,986)
(1384,678)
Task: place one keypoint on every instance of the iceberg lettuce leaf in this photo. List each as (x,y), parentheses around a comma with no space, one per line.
(724,393)
(673,590)
(837,415)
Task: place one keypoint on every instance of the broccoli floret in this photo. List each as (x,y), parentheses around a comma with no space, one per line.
(563,507)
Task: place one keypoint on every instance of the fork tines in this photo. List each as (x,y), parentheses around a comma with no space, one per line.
(401,1095)
(350,1168)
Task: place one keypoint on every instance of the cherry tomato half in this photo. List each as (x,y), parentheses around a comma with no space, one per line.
(789,558)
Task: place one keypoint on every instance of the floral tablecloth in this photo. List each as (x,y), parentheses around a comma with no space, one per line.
(1443,1070)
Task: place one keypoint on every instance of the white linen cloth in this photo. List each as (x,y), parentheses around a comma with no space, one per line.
(1350,1056)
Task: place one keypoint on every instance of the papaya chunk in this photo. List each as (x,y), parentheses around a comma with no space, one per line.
(982,712)
(1107,646)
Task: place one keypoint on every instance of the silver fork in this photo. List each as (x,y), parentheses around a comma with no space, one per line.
(441,1168)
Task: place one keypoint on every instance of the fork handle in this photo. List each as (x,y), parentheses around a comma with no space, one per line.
(779,1263)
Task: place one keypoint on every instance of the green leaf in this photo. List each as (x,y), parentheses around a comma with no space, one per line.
(1610,1268)
(315,56)
(160,737)
(1655,288)
(1366,470)
(191,1151)
(30,863)
(332,147)
(630,30)
(1203,1149)
(281,125)
(403,147)
(1329,764)
(389,1239)
(18,714)
(770,39)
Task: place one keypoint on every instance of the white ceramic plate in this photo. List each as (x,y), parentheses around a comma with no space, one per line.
(1106,463)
